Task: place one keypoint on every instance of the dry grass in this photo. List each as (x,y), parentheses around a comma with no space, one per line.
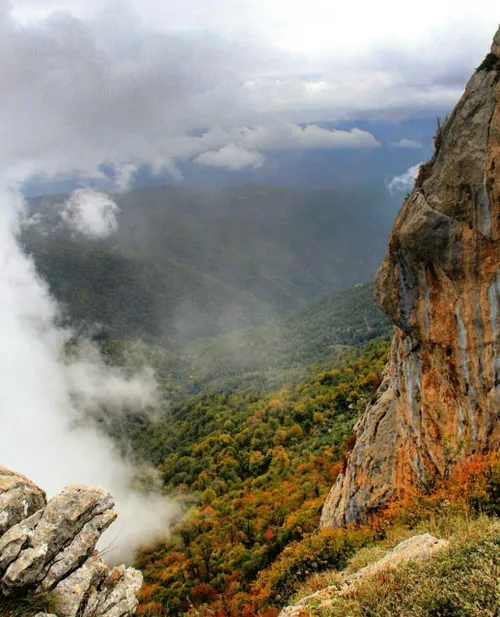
(26,606)
(360,559)
(461,582)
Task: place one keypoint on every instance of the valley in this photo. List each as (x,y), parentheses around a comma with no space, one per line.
(225,328)
(187,264)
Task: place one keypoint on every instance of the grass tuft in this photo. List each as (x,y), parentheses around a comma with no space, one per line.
(27,606)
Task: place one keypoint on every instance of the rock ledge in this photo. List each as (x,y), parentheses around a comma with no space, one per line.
(50,547)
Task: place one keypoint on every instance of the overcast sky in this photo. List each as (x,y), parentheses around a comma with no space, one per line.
(220,82)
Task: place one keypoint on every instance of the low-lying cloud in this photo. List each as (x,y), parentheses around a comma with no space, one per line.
(407,143)
(404,182)
(243,146)
(230,157)
(90,213)
(52,391)
(288,136)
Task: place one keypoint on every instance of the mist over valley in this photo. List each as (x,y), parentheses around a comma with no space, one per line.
(250,304)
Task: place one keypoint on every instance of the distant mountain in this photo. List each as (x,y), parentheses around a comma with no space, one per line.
(186,264)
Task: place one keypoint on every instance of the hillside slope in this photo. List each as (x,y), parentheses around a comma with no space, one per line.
(252,471)
(257,358)
(261,359)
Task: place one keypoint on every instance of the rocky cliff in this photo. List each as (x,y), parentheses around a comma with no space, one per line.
(440,285)
(49,548)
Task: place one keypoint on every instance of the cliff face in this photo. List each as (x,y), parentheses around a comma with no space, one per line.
(440,284)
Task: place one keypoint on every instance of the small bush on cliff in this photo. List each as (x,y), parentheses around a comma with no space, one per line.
(490,63)
(326,549)
(472,487)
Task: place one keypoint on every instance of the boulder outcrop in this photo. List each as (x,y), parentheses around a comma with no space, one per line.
(51,547)
(440,285)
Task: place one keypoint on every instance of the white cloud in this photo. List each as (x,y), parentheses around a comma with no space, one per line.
(312,26)
(124,174)
(49,397)
(241,147)
(230,157)
(90,213)
(94,85)
(288,136)
(407,143)
(405,181)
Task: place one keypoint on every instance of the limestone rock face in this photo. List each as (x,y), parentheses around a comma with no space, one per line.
(19,498)
(50,544)
(440,284)
(51,547)
(93,591)
(417,547)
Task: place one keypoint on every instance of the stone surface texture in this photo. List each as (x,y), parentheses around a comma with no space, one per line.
(51,547)
(19,498)
(440,285)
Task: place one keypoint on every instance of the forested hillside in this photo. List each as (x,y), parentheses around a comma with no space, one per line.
(251,456)
(186,264)
(252,472)
(259,359)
